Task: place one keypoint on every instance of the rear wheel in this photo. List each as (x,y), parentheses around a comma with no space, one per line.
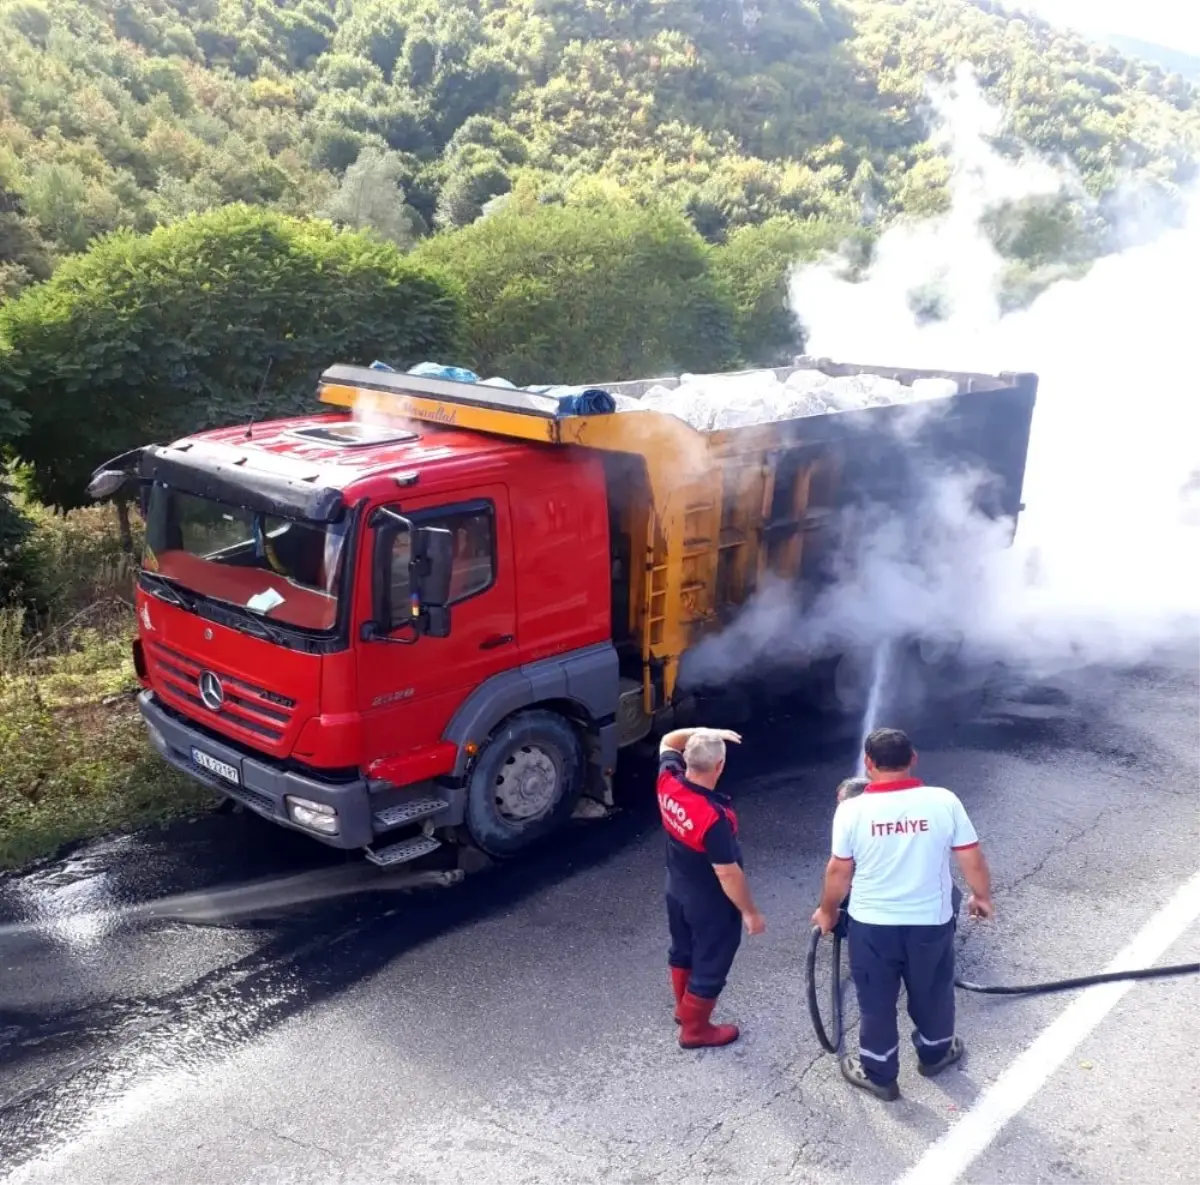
(525,783)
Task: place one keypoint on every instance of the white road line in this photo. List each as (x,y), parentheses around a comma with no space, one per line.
(945,1160)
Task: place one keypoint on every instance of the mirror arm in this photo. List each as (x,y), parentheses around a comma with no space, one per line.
(371,633)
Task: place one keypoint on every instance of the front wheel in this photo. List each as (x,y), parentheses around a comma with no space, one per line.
(525,783)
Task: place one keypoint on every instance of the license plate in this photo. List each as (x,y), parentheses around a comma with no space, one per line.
(221,768)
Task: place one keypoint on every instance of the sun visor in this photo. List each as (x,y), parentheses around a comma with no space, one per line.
(225,475)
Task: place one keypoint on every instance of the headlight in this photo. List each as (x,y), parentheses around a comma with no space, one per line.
(316,816)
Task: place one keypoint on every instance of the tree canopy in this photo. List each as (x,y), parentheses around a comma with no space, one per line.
(132,113)
(586,292)
(221,317)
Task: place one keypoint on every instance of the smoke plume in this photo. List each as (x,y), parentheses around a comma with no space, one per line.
(1106,563)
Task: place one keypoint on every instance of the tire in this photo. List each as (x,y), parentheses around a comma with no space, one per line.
(525,783)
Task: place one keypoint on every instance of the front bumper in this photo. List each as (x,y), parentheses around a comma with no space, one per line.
(261,786)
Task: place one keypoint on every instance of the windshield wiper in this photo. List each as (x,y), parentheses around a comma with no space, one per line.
(261,629)
(161,587)
(238,617)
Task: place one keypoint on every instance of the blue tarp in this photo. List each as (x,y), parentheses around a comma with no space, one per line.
(583,401)
(455,374)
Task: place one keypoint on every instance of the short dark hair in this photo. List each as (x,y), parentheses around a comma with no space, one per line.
(851,788)
(889,749)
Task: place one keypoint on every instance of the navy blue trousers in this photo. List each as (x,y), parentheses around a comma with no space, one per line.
(881,959)
(705,935)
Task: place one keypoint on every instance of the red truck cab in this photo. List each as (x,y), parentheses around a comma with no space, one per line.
(337,714)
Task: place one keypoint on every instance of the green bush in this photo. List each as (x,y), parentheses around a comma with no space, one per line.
(73,562)
(756,263)
(150,337)
(585,293)
(74,761)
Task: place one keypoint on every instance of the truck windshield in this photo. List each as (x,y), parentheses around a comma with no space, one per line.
(281,569)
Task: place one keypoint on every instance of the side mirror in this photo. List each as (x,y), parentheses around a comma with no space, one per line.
(112,475)
(105,483)
(429,573)
(430,566)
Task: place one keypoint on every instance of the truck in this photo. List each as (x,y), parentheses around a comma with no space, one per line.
(434,612)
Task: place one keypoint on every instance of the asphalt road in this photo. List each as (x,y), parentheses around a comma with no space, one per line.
(517,1028)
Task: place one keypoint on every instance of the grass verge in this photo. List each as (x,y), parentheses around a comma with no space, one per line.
(74,758)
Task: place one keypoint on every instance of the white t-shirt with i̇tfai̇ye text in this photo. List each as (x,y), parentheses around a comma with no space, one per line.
(900,836)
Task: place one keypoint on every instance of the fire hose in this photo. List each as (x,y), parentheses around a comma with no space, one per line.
(833,1044)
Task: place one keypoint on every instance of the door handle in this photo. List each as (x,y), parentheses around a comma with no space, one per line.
(496,641)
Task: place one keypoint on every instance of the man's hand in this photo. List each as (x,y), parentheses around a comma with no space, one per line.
(755,922)
(980,907)
(679,737)
(979,881)
(825,919)
(838,875)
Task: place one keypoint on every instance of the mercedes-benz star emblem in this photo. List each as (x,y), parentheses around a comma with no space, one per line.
(211,691)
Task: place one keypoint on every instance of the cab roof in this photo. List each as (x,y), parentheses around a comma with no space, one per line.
(336,450)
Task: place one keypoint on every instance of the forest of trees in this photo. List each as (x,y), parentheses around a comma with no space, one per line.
(568,189)
(407,116)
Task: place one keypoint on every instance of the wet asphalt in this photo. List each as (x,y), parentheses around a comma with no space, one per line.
(224,1002)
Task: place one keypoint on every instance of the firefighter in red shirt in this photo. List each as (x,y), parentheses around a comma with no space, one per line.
(708,898)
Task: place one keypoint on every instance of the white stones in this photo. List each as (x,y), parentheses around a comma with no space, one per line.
(934,388)
(710,402)
(628,403)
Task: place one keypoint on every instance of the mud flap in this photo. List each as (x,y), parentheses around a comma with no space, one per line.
(601,748)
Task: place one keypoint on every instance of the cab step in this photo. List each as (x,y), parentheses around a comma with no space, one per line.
(402,852)
(408,812)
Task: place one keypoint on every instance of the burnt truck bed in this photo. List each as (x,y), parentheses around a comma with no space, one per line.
(891,450)
(702,516)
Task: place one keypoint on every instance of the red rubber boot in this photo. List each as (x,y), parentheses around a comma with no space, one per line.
(679,984)
(698,1031)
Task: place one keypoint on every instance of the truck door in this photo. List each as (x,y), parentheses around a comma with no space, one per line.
(408,693)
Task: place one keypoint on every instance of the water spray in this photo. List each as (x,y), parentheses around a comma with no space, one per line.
(230,903)
(881,667)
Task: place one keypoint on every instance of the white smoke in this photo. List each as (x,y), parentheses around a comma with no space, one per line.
(1106,562)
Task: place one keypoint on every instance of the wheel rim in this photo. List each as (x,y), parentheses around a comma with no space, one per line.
(527,785)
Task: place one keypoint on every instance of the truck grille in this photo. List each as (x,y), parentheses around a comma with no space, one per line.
(245,708)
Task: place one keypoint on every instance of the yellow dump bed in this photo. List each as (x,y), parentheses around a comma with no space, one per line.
(699,518)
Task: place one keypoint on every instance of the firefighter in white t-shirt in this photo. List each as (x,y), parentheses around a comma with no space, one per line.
(894,842)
